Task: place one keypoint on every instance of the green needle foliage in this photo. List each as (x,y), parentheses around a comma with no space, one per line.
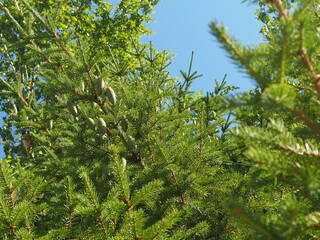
(100,141)
(281,137)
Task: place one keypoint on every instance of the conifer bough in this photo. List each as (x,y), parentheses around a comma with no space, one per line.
(180,180)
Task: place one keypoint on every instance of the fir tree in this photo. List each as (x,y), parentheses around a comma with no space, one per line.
(100,141)
(281,139)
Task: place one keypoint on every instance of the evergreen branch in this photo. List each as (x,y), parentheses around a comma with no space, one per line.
(283,57)
(22,99)
(70,203)
(122,179)
(102,223)
(63,46)
(158,229)
(42,54)
(151,154)
(188,77)
(148,192)
(299,151)
(98,185)
(233,163)
(307,62)
(310,68)
(235,51)
(138,53)
(7,84)
(8,56)
(34,191)
(173,174)
(265,157)
(92,82)
(306,120)
(191,61)
(113,62)
(31,90)
(8,184)
(92,192)
(6,209)
(48,28)
(280,9)
(96,147)
(304,7)
(14,20)
(239,212)
(83,96)
(300,87)
(94,199)
(35,13)
(23,32)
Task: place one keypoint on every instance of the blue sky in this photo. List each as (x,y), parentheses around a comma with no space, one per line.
(182,27)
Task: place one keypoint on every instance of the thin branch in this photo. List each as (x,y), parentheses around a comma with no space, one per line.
(21,30)
(41,53)
(302,88)
(31,89)
(64,48)
(48,28)
(7,54)
(236,52)
(151,154)
(22,99)
(306,120)
(280,9)
(94,146)
(310,68)
(240,213)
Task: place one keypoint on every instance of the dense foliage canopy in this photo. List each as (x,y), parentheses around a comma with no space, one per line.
(101,142)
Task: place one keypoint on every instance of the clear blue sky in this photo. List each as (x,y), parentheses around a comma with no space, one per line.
(182,27)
